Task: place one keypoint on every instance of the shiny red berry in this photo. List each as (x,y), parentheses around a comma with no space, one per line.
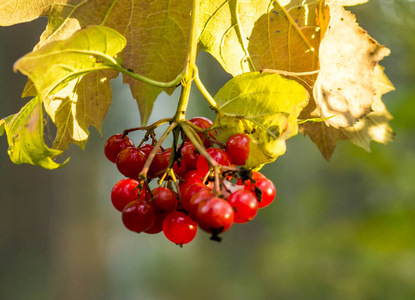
(115,144)
(124,192)
(215,215)
(139,215)
(179,228)
(237,147)
(164,199)
(190,155)
(130,162)
(161,162)
(219,155)
(245,205)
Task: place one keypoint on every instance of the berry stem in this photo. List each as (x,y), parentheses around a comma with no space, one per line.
(199,146)
(149,127)
(143,173)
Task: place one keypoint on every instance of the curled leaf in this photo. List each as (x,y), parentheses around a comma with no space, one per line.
(344,90)
(25,137)
(265,107)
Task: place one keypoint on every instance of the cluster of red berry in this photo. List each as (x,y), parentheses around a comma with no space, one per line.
(195,195)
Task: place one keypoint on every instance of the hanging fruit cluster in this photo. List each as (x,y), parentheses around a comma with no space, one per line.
(200,185)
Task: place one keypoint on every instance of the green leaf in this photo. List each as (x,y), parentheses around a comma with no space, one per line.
(54,65)
(265,107)
(25,137)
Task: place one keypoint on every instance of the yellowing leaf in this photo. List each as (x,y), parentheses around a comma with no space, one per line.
(57,63)
(156,33)
(25,137)
(88,105)
(375,126)
(265,107)
(344,90)
(261,34)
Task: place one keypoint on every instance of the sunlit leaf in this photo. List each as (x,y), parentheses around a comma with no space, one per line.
(88,105)
(57,63)
(344,90)
(375,126)
(25,137)
(156,33)
(265,107)
(261,34)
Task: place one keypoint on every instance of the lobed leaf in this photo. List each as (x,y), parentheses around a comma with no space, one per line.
(265,107)
(88,105)
(53,66)
(25,137)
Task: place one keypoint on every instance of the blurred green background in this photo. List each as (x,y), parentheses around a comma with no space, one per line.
(339,230)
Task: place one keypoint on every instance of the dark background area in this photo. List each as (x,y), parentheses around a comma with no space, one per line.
(343,229)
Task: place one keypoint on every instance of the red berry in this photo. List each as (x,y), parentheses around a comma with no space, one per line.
(188,179)
(158,223)
(146,149)
(197,198)
(266,187)
(124,192)
(203,123)
(219,155)
(139,215)
(190,155)
(237,147)
(115,144)
(268,191)
(161,162)
(164,199)
(130,162)
(215,215)
(189,191)
(245,205)
(179,228)
(255,176)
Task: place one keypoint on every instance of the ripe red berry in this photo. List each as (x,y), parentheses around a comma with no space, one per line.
(189,191)
(115,144)
(255,176)
(158,223)
(190,155)
(245,205)
(130,162)
(197,198)
(179,228)
(266,187)
(124,192)
(139,215)
(164,199)
(219,155)
(188,179)
(203,123)
(146,149)
(215,215)
(237,147)
(268,191)
(161,162)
